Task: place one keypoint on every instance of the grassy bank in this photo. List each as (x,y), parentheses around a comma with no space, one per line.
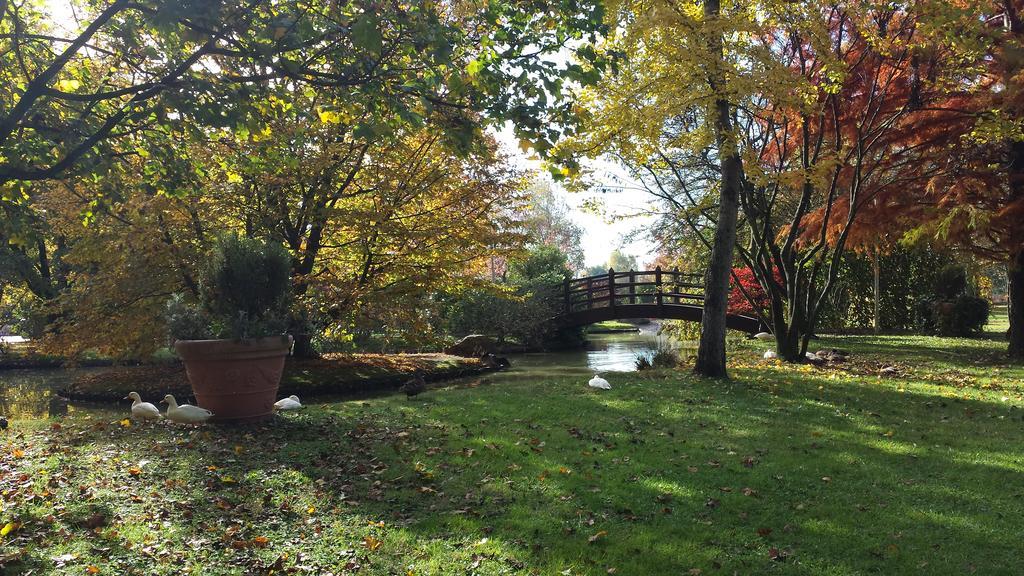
(27,355)
(331,374)
(611,327)
(786,470)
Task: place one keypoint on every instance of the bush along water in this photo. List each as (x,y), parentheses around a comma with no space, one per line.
(665,356)
(522,307)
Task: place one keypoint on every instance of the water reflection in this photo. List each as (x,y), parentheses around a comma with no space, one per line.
(30,393)
(604,353)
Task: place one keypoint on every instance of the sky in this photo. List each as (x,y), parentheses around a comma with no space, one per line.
(622,211)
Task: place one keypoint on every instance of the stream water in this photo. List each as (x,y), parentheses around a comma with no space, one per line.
(31,393)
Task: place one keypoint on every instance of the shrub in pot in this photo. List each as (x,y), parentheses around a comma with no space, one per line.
(232,340)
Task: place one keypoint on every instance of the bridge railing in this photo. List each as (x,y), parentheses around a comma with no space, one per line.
(614,289)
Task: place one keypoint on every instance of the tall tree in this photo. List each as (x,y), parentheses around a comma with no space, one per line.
(711,350)
(977,200)
(833,122)
(72,98)
(68,97)
(74,101)
(973,196)
(684,63)
(859,134)
(548,222)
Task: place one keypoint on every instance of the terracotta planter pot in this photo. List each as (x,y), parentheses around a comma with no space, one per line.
(236,379)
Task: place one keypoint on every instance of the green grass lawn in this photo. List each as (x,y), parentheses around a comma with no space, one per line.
(785,470)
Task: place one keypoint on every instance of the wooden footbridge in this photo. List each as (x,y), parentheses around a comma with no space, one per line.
(666,294)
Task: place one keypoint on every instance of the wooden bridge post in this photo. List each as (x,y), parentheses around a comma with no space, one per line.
(568,296)
(590,292)
(657,285)
(675,287)
(632,287)
(611,288)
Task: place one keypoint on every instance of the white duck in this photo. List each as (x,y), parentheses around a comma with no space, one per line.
(186,413)
(599,383)
(289,403)
(143,410)
(763,336)
(770,355)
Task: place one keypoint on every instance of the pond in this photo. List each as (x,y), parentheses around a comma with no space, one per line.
(603,353)
(30,393)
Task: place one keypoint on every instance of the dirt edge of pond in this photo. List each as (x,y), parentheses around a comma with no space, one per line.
(332,374)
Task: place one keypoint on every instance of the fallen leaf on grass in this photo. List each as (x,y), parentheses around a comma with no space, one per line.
(95,521)
(8,528)
(372,543)
(597,536)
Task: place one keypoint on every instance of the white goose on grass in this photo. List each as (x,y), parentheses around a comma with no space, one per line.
(185,413)
(770,355)
(763,336)
(289,403)
(599,383)
(143,410)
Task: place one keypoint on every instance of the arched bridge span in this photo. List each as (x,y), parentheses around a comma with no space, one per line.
(665,294)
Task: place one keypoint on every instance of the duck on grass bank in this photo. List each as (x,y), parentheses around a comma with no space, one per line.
(599,383)
(414,387)
(143,410)
(289,403)
(185,413)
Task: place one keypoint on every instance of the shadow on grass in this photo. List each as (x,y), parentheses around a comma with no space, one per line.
(659,476)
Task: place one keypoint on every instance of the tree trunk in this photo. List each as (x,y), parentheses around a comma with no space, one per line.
(1015,270)
(787,342)
(876,321)
(711,350)
(1015,273)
